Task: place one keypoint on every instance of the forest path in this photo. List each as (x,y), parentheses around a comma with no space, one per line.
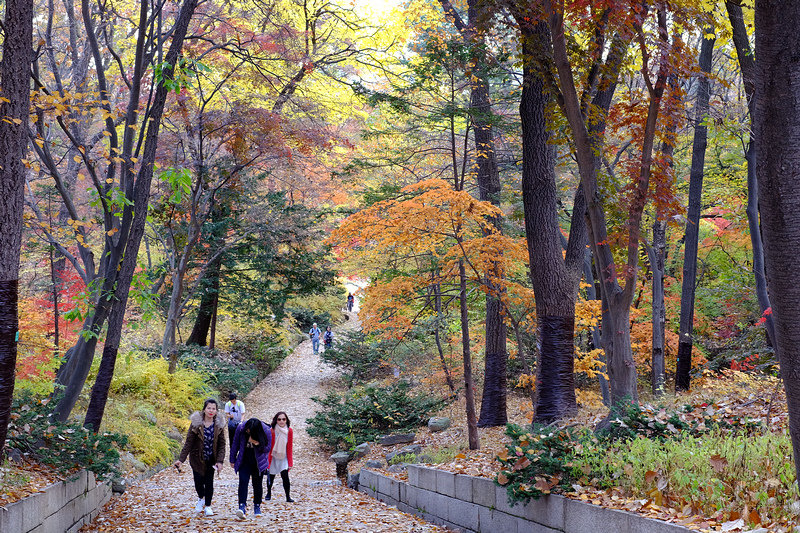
(165,502)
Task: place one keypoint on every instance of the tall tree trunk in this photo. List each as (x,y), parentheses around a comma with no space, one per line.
(469,385)
(655,254)
(596,338)
(555,282)
(14,109)
(684,363)
(777,135)
(208,301)
(141,197)
(617,286)
(747,65)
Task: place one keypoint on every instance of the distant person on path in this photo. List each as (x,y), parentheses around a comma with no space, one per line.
(314,333)
(327,338)
(234,409)
(280,455)
(250,458)
(205,448)
(350,301)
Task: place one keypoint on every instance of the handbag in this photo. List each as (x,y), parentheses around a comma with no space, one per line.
(232,425)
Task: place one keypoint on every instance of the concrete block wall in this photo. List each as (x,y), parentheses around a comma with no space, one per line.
(60,508)
(477,505)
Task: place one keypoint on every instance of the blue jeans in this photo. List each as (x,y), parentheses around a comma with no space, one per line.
(315,344)
(245,473)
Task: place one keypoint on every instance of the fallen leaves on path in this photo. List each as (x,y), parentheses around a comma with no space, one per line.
(165,502)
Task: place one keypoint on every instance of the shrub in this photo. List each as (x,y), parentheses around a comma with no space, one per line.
(714,464)
(264,349)
(364,413)
(355,354)
(64,446)
(221,375)
(306,318)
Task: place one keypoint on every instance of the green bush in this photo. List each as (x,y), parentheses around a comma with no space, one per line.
(262,349)
(364,413)
(306,318)
(223,376)
(64,446)
(539,459)
(356,355)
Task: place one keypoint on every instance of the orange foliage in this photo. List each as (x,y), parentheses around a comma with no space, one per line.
(419,238)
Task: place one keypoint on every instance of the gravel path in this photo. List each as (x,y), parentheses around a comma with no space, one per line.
(165,502)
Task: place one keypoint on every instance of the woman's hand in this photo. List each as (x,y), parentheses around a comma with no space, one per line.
(177,465)
(219,466)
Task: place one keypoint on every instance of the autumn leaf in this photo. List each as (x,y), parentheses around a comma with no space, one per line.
(522,462)
(718,463)
(502,478)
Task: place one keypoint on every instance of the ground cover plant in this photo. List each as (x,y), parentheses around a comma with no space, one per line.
(706,462)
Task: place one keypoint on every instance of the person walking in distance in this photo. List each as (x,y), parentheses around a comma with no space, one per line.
(205,448)
(250,459)
(350,301)
(234,410)
(314,334)
(280,455)
(327,338)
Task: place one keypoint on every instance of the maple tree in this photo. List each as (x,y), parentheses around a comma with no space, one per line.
(448,230)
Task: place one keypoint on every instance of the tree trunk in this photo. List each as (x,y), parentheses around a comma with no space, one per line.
(684,363)
(777,135)
(437,337)
(747,65)
(208,302)
(469,385)
(596,338)
(555,282)
(655,254)
(141,197)
(14,108)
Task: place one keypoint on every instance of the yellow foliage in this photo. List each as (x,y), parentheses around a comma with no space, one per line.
(526,380)
(589,363)
(588,398)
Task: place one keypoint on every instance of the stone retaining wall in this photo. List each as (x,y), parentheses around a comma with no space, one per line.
(474,504)
(60,508)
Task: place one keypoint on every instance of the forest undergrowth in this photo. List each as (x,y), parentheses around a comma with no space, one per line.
(717,458)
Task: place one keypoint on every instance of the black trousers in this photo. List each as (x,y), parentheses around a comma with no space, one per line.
(245,473)
(284,478)
(204,482)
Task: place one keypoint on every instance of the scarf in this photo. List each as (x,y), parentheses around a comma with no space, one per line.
(281,440)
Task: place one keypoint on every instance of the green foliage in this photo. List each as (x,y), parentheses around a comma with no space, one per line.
(264,349)
(306,318)
(320,307)
(641,444)
(64,446)
(356,354)
(363,413)
(221,375)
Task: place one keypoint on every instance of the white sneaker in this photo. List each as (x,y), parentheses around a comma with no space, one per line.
(209,512)
(198,508)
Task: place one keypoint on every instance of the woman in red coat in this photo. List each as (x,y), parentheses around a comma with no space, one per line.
(280,454)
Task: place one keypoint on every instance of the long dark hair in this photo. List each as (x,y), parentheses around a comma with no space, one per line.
(255,430)
(275,419)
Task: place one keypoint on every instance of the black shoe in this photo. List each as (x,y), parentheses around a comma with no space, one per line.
(268,498)
(289,500)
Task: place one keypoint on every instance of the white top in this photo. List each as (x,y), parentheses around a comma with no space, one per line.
(236,409)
